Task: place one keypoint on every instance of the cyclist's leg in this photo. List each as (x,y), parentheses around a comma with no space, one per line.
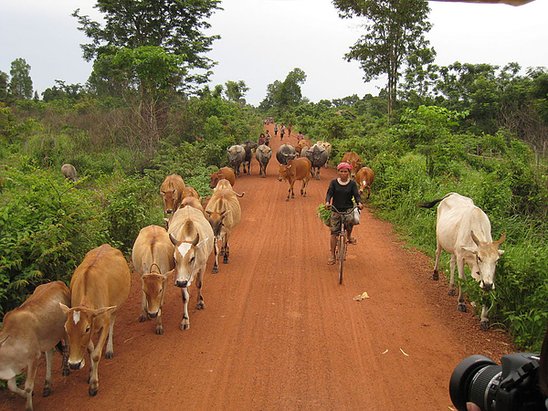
(334,227)
(349,227)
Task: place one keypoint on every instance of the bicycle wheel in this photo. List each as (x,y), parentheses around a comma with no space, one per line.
(342,254)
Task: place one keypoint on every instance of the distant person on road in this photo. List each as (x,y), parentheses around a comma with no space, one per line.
(275,130)
(262,139)
(282,132)
(267,138)
(340,194)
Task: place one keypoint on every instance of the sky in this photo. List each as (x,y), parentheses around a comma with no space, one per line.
(263,40)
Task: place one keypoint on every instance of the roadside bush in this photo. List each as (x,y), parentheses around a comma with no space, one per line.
(47,226)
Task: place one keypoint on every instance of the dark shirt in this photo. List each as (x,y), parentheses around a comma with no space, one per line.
(342,195)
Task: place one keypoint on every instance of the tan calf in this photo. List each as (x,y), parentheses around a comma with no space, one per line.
(225,172)
(172,192)
(365,177)
(297,169)
(223,212)
(152,258)
(98,287)
(29,330)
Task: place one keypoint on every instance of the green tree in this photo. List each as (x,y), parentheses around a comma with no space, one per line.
(235,91)
(20,86)
(4,82)
(175,25)
(146,75)
(284,95)
(394,30)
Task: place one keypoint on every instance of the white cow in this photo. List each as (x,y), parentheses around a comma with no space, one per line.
(193,238)
(464,231)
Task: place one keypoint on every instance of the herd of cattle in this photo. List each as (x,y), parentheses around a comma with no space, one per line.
(195,229)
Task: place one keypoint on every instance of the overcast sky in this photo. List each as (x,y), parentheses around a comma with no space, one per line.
(263,40)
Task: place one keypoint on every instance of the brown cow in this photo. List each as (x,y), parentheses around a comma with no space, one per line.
(225,172)
(301,144)
(99,285)
(365,177)
(297,169)
(354,160)
(29,330)
(189,191)
(172,192)
(223,212)
(152,258)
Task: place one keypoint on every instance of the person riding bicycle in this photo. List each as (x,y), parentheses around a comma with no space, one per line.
(340,194)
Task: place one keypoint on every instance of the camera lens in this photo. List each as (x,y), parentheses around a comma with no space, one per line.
(473,376)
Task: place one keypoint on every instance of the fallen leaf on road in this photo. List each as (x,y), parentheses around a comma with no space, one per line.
(361,296)
(385,351)
(404,353)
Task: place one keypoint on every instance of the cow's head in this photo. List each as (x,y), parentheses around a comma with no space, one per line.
(172,198)
(485,257)
(80,326)
(214,179)
(153,286)
(284,171)
(216,221)
(185,260)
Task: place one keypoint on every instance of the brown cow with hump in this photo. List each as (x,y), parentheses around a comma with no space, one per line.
(99,285)
(297,169)
(354,160)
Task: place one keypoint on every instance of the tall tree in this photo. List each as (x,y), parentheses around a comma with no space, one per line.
(286,94)
(394,30)
(175,25)
(20,86)
(235,91)
(4,81)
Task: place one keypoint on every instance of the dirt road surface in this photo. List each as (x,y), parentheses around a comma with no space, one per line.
(280,333)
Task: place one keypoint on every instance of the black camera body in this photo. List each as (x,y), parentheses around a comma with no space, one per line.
(512,386)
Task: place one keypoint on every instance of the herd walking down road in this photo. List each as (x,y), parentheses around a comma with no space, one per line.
(278,331)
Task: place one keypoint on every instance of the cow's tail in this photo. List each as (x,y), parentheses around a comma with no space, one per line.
(430,204)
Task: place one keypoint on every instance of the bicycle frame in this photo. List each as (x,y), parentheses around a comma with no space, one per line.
(340,251)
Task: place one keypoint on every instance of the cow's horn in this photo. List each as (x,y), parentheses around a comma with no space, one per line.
(501,239)
(173,239)
(475,238)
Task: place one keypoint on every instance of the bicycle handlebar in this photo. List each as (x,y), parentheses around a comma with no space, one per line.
(343,212)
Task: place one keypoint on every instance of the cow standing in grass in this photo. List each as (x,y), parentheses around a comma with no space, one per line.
(464,231)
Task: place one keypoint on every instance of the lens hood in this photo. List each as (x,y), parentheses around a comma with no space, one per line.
(459,384)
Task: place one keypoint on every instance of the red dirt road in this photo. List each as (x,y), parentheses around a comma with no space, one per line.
(279,333)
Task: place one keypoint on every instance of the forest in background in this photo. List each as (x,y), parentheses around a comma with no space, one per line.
(475,129)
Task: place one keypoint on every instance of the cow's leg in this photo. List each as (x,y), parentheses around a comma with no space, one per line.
(436,275)
(47,383)
(225,248)
(144,314)
(64,362)
(109,353)
(215,268)
(12,385)
(303,188)
(460,266)
(484,324)
(452,275)
(200,304)
(185,323)
(96,357)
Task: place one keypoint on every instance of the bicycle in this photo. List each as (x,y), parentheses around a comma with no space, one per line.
(342,240)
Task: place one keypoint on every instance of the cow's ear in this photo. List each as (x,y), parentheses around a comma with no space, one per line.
(103,310)
(470,250)
(64,308)
(501,252)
